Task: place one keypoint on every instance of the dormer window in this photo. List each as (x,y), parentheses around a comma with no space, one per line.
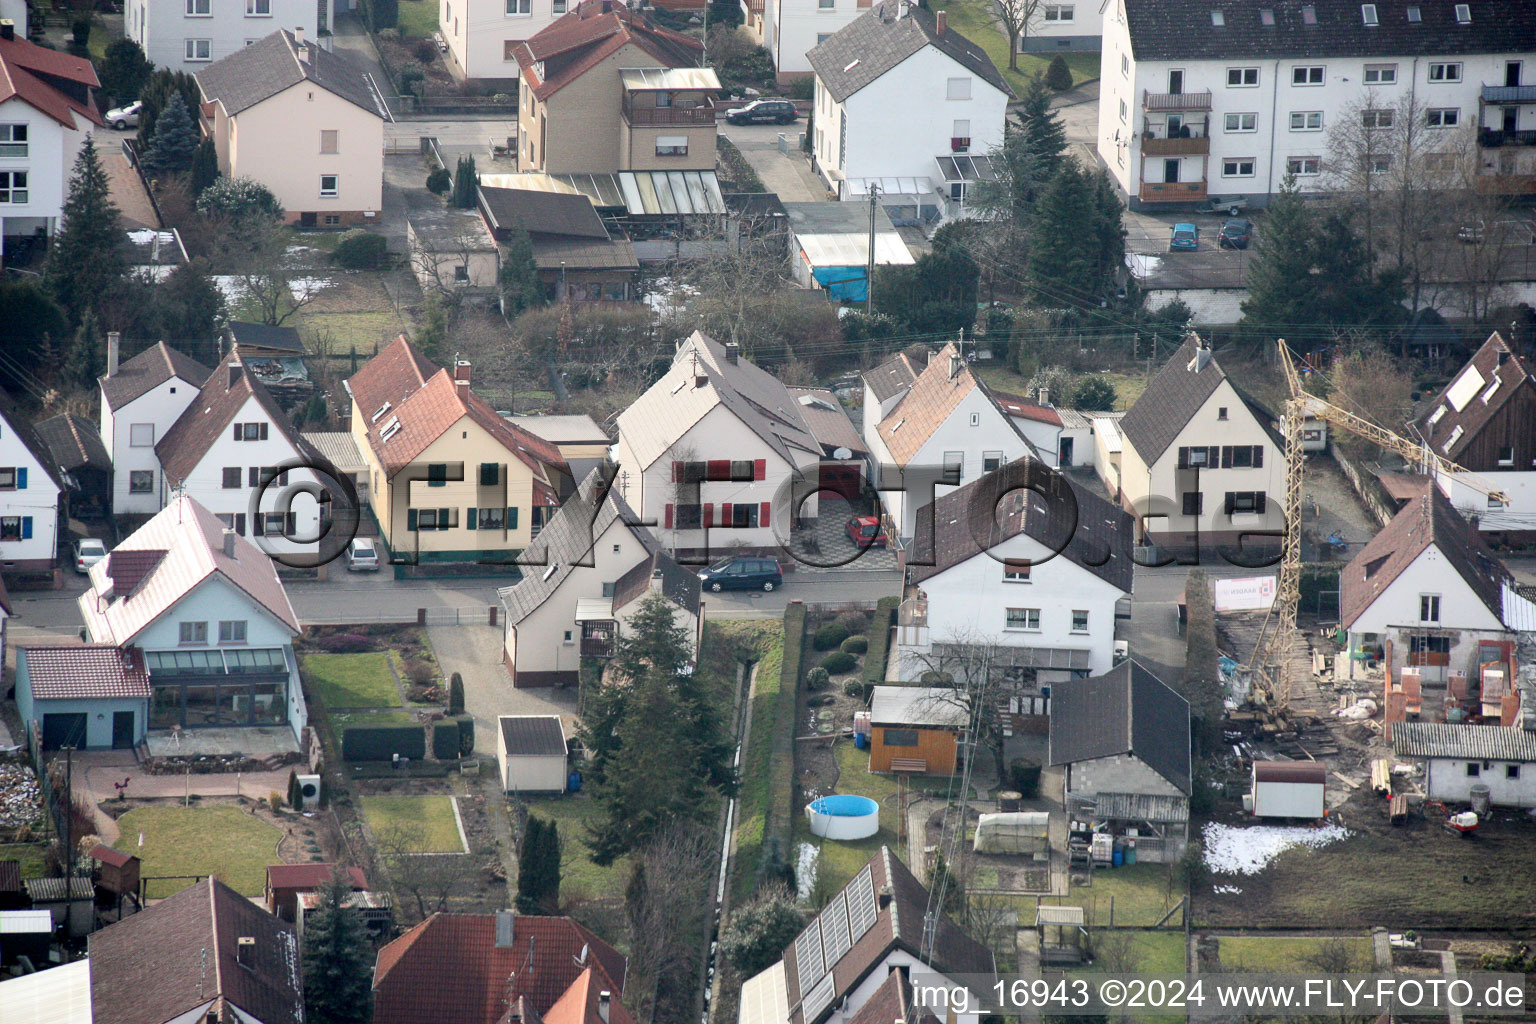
(1368,15)
(1463,14)
(1309,15)
(1414,17)
(1267,16)
(1218,19)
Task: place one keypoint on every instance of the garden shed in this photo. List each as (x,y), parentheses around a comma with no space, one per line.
(1288,789)
(916,729)
(530,750)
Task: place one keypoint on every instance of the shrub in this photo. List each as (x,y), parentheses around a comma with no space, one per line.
(829,636)
(759,931)
(817,679)
(1094,394)
(879,640)
(838,662)
(295,794)
(855,645)
(1024,776)
(445,739)
(239,199)
(345,643)
(360,250)
(466,735)
(275,801)
(455,694)
(854,688)
(382,742)
(424,50)
(802,88)
(419,672)
(1058,76)
(936,679)
(410,76)
(439,181)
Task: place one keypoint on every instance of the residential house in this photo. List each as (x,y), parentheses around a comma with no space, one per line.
(285,883)
(450,250)
(578,259)
(1500,759)
(1024,567)
(945,431)
(141,400)
(30,486)
(47,108)
(188,627)
(1485,421)
(1058,26)
(1039,422)
(898,91)
(74,448)
(583,579)
(1202,98)
(275,356)
(1123,739)
(531,752)
(715,450)
(917,729)
(869,932)
(789,29)
(207,949)
(305,122)
(505,967)
(829,247)
(1428,596)
(236,452)
(185,35)
(481,36)
(604,89)
(1201,462)
(449,479)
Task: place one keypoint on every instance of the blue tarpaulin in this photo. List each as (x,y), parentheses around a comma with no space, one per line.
(846,284)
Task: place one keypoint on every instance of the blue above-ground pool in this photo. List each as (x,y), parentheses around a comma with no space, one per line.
(844,816)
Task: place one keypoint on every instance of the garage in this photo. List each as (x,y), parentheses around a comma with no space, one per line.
(840,478)
(64,730)
(531,751)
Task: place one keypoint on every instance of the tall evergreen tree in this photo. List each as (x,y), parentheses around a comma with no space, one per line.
(466,182)
(156,97)
(519,276)
(337,960)
(88,256)
(1047,135)
(1281,269)
(550,859)
(205,167)
(125,69)
(538,868)
(176,140)
(1065,246)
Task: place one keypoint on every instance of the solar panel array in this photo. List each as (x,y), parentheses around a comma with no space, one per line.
(862,909)
(829,937)
(819,999)
(808,960)
(835,940)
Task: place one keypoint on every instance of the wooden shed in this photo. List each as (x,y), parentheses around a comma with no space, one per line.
(285,882)
(916,729)
(116,871)
(1288,789)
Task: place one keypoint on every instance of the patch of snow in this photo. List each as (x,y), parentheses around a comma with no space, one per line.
(1226,890)
(1141,263)
(145,236)
(303,287)
(231,286)
(806,856)
(1247,851)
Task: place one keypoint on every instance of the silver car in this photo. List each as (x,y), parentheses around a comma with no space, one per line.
(125,117)
(362,555)
(88,551)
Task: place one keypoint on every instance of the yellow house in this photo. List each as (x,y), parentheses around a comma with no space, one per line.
(605,90)
(449,480)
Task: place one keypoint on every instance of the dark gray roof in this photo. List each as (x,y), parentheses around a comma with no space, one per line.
(541,213)
(74,442)
(678,585)
(1183,29)
(268,66)
(533,735)
(1179,391)
(892,377)
(584,253)
(1087,530)
(566,543)
(26,432)
(890,32)
(1127,710)
(1469,742)
(282,339)
(148,370)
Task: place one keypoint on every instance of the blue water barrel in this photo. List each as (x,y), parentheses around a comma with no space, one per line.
(1117,858)
(573,783)
(860,740)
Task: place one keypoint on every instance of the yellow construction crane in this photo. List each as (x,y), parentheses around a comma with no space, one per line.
(1278,634)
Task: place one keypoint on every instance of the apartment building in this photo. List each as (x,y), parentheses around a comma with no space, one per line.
(184,35)
(1221,97)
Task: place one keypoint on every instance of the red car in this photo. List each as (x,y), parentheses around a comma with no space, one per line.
(866,532)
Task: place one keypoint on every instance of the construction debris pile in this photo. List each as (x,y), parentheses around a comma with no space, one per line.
(21,799)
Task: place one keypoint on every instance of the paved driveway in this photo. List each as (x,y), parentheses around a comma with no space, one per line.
(789,175)
(475,653)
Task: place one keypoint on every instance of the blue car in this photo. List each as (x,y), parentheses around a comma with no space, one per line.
(1184,238)
(742,573)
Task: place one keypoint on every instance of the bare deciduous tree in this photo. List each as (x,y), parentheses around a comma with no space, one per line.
(963,668)
(669,910)
(428,878)
(1016,17)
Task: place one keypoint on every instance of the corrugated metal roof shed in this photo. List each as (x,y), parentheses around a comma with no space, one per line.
(1465,742)
(918,705)
(60,995)
(340,448)
(1140,806)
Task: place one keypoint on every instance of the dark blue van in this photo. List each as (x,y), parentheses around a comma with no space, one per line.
(742,572)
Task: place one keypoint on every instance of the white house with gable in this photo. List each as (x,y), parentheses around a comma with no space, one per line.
(906,105)
(184,35)
(29,497)
(140,401)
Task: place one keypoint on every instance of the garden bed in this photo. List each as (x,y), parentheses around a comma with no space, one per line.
(435,816)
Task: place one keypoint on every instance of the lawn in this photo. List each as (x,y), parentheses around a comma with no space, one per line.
(367,716)
(352,680)
(1286,953)
(417,18)
(973,19)
(344,330)
(433,815)
(770,701)
(228,842)
(1128,387)
(572,814)
(33,857)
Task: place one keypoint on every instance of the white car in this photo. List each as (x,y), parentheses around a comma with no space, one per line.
(125,117)
(362,555)
(88,551)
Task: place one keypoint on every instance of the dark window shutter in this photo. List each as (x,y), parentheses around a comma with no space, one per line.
(26,527)
(240,523)
(1258,455)
(1211,455)
(725,515)
(760,469)
(763,517)
(410,519)
(254,475)
(1260,501)
(708,512)
(290,524)
(471,519)
(511,518)
(1183,457)
(1226,456)
(264,431)
(677,471)
(443,521)
(668,520)
(719,469)
(489,473)
(21,478)
(260,521)
(1231,501)
(237,431)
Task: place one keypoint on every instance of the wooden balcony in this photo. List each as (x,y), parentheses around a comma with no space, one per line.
(1173,191)
(1160,102)
(684,113)
(595,647)
(1192,146)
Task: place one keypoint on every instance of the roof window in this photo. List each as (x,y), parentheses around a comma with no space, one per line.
(1463,14)
(1414,17)
(382,410)
(1309,15)
(1218,19)
(390,429)
(1368,14)
(1267,16)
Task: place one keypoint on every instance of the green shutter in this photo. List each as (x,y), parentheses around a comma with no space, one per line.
(470,518)
(512,518)
(410,519)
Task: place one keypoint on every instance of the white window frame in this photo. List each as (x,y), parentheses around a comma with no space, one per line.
(1384,74)
(194,5)
(190,48)
(519,8)
(13,141)
(1379,163)
(1238,162)
(1436,117)
(826,5)
(1306,120)
(1429,607)
(253,8)
(334,190)
(1075,613)
(1029,619)
(1378,118)
(14,190)
(233,631)
(1369,16)
(1305,72)
(1245,122)
(1449,72)
(190,633)
(1060,13)
(671,145)
(1242,75)
(1299,166)
(136,435)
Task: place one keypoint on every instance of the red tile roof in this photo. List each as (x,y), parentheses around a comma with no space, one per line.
(1018,405)
(84,672)
(581,1002)
(309,876)
(55,83)
(107,855)
(410,985)
(127,569)
(580,40)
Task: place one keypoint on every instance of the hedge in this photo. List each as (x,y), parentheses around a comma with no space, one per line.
(772,758)
(880,640)
(382,742)
(414,770)
(855,645)
(838,662)
(445,739)
(466,734)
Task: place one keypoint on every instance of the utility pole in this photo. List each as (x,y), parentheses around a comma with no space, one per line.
(869,277)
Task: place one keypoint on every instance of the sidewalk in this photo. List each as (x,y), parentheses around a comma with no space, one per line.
(127,191)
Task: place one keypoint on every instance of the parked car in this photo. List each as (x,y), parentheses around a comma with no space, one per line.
(764,112)
(1230,205)
(743,572)
(865,532)
(1183,238)
(125,117)
(1235,234)
(362,555)
(88,551)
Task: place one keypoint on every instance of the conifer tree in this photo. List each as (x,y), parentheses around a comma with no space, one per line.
(337,959)
(88,255)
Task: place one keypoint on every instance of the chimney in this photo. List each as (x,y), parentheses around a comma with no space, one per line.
(114,351)
(1043,395)
(461,377)
(245,952)
(229,543)
(298,43)
(7,28)
(234,376)
(940,21)
(732,353)
(604,1004)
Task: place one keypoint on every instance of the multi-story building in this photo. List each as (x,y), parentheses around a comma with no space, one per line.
(183,35)
(29,496)
(1215,97)
(482,34)
(789,29)
(1057,26)
(140,401)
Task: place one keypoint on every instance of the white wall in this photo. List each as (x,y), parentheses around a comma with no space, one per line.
(51,152)
(1520,487)
(36,505)
(1288,799)
(1063,25)
(162,27)
(1448,781)
(800,25)
(159,408)
(477,32)
(1043,437)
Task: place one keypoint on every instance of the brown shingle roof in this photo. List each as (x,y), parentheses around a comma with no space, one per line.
(827,421)
(939,389)
(1494,361)
(1127,710)
(892,377)
(86,672)
(310,876)
(181,953)
(1428,519)
(107,855)
(580,40)
(412,986)
(1178,391)
(149,369)
(678,585)
(74,442)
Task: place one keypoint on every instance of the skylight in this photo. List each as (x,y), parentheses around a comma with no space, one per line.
(1267,15)
(390,429)
(1309,15)
(1368,13)
(1218,19)
(382,410)
(1463,14)
(1414,17)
